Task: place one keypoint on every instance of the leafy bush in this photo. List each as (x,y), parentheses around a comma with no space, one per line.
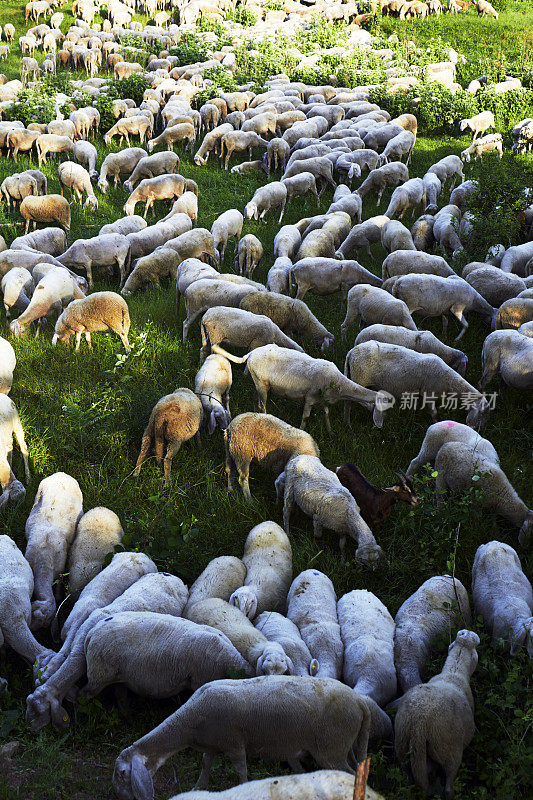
(190,49)
(322,34)
(32,105)
(435,106)
(104,104)
(244,16)
(508,107)
(133,87)
(220,78)
(270,57)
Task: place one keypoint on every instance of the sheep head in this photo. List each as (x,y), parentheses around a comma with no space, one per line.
(131,779)
(274,661)
(245,599)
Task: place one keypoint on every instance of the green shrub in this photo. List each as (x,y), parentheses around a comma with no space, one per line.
(133,87)
(322,34)
(242,15)
(435,106)
(104,104)
(32,105)
(508,107)
(190,49)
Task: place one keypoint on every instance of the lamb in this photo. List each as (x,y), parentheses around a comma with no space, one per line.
(503,595)
(266,439)
(16,589)
(150,166)
(291,715)
(400,145)
(51,143)
(8,363)
(396,369)
(86,155)
(162,187)
(479,123)
(50,529)
(437,719)
(419,341)
(514,313)
(435,296)
(278,628)
(100,311)
(509,353)
(456,463)
(175,419)
(312,608)
(186,204)
(248,255)
(404,262)
(99,251)
(222,576)
(292,316)
(240,328)
(483,7)
(408,195)
(227,225)
(445,231)
(434,609)
(448,167)
(388,175)
(492,284)
(287,241)
(17,287)
(206,293)
(447,431)
(272,195)
(487,144)
(367,631)
(516,258)
(238,142)
(98,532)
(363,235)
(55,289)
(279,275)
(373,305)
(324,276)
(395,236)
(50,208)
(115,163)
(212,384)
(318,493)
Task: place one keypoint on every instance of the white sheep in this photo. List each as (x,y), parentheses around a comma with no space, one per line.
(10,425)
(395,236)
(317,491)
(272,195)
(325,276)
(435,608)
(287,241)
(57,288)
(436,720)
(278,628)
(98,532)
(492,284)
(383,177)
(99,251)
(206,293)
(449,431)
(374,305)
(487,144)
(363,234)
(240,328)
(221,577)
(400,145)
(503,595)
(407,196)
(268,560)
(249,254)
(420,341)
(445,229)
(403,262)
(267,658)
(367,631)
(17,287)
(228,225)
(50,529)
(479,123)
(516,258)
(448,167)
(8,362)
(292,316)
(433,188)
(279,276)
(509,353)
(100,311)
(212,384)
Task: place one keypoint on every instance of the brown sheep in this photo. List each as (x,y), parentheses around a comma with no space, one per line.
(48,208)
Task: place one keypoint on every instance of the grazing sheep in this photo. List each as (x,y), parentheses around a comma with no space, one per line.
(448,167)
(78,180)
(287,241)
(448,431)
(400,145)
(514,313)
(407,196)
(483,7)
(50,529)
(249,254)
(367,631)
(115,163)
(517,258)
(228,225)
(491,283)
(221,577)
(125,225)
(18,186)
(435,608)
(150,166)
(56,289)
(86,155)
(292,316)
(420,341)
(509,353)
(8,363)
(379,179)
(211,141)
(363,235)
(10,425)
(479,123)
(503,596)
(212,384)
(265,439)
(51,143)
(487,144)
(279,275)
(277,154)
(277,716)
(325,276)
(17,287)
(99,251)
(317,491)
(436,720)
(162,187)
(100,311)
(373,305)
(50,208)
(272,195)
(404,262)
(206,293)
(395,369)
(98,532)
(186,204)
(238,142)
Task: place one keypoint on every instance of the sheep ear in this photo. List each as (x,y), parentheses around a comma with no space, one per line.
(211,425)
(141,780)
(290,666)
(314,667)
(259,665)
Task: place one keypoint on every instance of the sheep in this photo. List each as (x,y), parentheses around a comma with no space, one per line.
(50,208)
(462,193)
(445,229)
(16,589)
(287,241)
(98,532)
(277,716)
(483,7)
(408,195)
(324,276)
(311,604)
(398,146)
(248,255)
(318,493)
(100,311)
(149,269)
(420,341)
(78,180)
(479,123)
(175,419)
(509,353)
(516,259)
(397,370)
(55,289)
(186,204)
(447,431)
(363,235)
(125,225)
(222,576)
(8,362)
(48,241)
(435,608)
(277,153)
(162,187)
(17,287)
(50,529)
(237,142)
(206,293)
(388,175)
(86,155)
(240,328)
(210,142)
(11,259)
(10,425)
(374,305)
(212,384)
(20,140)
(487,144)
(395,236)
(318,243)
(320,167)
(492,284)
(292,316)
(278,277)
(435,296)
(514,313)
(404,262)
(137,586)
(522,135)
(437,719)
(227,225)
(266,198)
(367,632)
(448,167)
(115,163)
(456,463)
(51,143)
(150,166)
(267,658)
(503,596)
(265,439)
(246,167)
(18,186)
(99,251)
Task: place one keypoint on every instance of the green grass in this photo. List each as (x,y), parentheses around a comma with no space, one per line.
(84,413)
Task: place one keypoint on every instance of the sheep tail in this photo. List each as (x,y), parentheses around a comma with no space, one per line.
(216,348)
(418,756)
(360,746)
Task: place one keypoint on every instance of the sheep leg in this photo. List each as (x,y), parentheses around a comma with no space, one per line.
(21,441)
(308,405)
(326,414)
(282,210)
(458,313)
(27,227)
(145,447)
(238,759)
(244,474)
(207,763)
(490,367)
(317,526)
(78,340)
(444,318)
(172,449)
(288,503)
